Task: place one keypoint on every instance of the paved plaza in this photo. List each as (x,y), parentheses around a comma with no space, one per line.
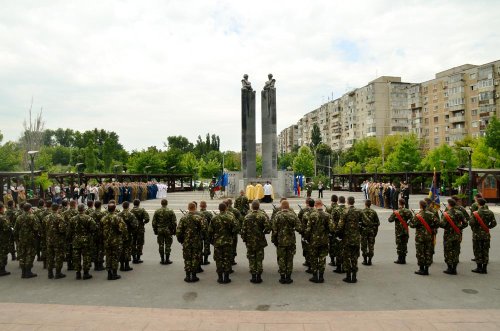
(385,288)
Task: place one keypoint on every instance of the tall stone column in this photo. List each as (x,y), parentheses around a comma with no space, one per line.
(248,144)
(269,135)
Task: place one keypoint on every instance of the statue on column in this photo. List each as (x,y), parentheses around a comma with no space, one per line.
(247,86)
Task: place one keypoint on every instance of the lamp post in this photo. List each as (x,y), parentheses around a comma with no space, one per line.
(469,196)
(78,165)
(406,164)
(32,155)
(494,159)
(146,169)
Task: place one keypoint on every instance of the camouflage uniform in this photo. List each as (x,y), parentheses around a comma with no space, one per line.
(132,225)
(68,215)
(239,220)
(11,218)
(241,204)
(189,234)
(56,230)
(207,218)
(335,241)
(481,238)
(332,240)
(142,217)
(303,213)
(401,235)
(26,229)
(423,239)
(451,239)
(253,233)
(436,220)
(369,233)
(82,228)
(164,226)
(41,247)
(5,234)
(114,229)
(349,228)
(319,226)
(221,232)
(284,226)
(98,244)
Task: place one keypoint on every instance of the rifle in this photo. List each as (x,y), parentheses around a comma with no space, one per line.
(183,211)
(300,207)
(274,206)
(215,213)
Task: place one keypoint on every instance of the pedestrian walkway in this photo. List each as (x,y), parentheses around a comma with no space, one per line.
(66,317)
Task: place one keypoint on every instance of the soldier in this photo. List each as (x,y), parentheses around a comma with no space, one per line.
(424,223)
(98,244)
(453,222)
(284,226)
(11,218)
(303,213)
(189,234)
(56,230)
(430,208)
(239,220)
(5,234)
(253,233)
(369,232)
(114,229)
(26,230)
(68,215)
(132,225)
(319,225)
(207,218)
(337,237)
(221,232)
(349,228)
(475,206)
(481,222)
(164,227)
(82,228)
(39,214)
(401,217)
(142,217)
(90,207)
(241,203)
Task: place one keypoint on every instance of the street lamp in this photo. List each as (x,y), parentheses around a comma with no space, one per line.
(406,164)
(32,155)
(469,150)
(78,165)
(494,159)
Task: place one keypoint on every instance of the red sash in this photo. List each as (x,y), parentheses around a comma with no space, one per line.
(481,222)
(424,223)
(450,221)
(401,220)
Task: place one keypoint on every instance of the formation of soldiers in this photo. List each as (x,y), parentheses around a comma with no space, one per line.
(386,195)
(82,235)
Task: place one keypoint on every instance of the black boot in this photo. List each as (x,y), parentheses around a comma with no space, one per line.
(187,279)
(23,272)
(194,278)
(369,261)
(365,260)
(353,277)
(162,255)
(227,280)
(450,270)
(59,274)
(254,278)
(127,266)
(314,278)
(205,260)
(309,270)
(485,268)
(426,270)
(30,274)
(51,273)
(167,259)
(14,258)
(321,279)
(138,259)
(110,274)
(44,263)
(70,266)
(86,275)
(282,279)
(332,261)
(339,268)
(3,272)
(115,275)
(259,278)
(479,268)
(78,275)
(199,269)
(289,279)
(421,271)
(134,259)
(347,278)
(400,260)
(220,280)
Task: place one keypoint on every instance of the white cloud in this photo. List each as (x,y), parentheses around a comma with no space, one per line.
(157,68)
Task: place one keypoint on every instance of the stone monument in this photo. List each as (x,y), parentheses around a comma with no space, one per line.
(269,135)
(248,149)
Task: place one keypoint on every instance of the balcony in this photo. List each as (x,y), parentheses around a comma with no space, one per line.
(458,131)
(457,119)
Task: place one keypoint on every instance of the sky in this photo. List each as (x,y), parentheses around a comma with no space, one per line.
(152,69)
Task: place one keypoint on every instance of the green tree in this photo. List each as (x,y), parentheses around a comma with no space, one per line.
(285,161)
(258,165)
(374,164)
(180,143)
(10,155)
(152,157)
(304,162)
(407,150)
(481,153)
(492,137)
(90,158)
(366,148)
(356,168)
(189,164)
(209,169)
(232,161)
(315,136)
(390,143)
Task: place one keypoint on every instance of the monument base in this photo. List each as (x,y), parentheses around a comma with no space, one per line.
(282,185)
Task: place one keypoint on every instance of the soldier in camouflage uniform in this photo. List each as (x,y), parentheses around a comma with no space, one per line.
(26,229)
(98,244)
(164,227)
(114,229)
(453,222)
(68,214)
(481,221)
(336,241)
(11,218)
(142,217)
(189,234)
(401,230)
(221,232)
(319,226)
(207,218)
(132,225)
(82,229)
(39,213)
(239,220)
(5,234)
(423,222)
(56,230)
(369,233)
(284,226)
(253,233)
(303,213)
(433,210)
(242,204)
(332,240)
(349,228)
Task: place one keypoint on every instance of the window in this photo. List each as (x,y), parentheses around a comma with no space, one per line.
(447,139)
(436,129)
(426,110)
(445,94)
(436,141)
(473,100)
(436,119)
(426,121)
(474,112)
(472,75)
(436,108)
(485,83)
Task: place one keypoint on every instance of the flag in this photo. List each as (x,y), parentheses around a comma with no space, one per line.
(434,192)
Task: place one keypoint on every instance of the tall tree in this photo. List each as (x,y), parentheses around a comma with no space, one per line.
(304,162)
(179,142)
(32,139)
(315,136)
(10,155)
(407,150)
(492,138)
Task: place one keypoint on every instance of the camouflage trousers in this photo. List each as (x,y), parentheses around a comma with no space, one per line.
(112,256)
(451,251)
(223,257)
(138,241)
(191,255)
(4,251)
(126,250)
(305,251)
(164,243)
(206,247)
(12,245)
(82,252)
(235,247)
(98,250)
(318,257)
(55,256)
(402,244)
(481,250)
(368,244)
(424,251)
(43,248)
(26,254)
(285,258)
(255,257)
(69,253)
(333,246)
(350,258)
